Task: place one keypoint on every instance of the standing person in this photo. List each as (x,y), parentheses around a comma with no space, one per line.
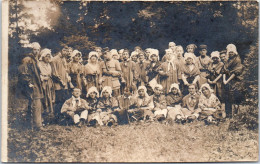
(76,109)
(31,85)
(120,53)
(61,79)
(168,73)
(191,49)
(141,69)
(111,72)
(100,54)
(204,61)
(134,56)
(190,72)
(92,72)
(232,76)
(223,56)
(215,76)
(153,70)
(147,53)
(129,72)
(47,84)
(114,54)
(75,69)
(172,46)
(180,62)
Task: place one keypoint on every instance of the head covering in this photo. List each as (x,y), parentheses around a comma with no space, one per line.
(215,54)
(191,45)
(172,44)
(154,52)
(108,89)
(45,52)
(121,51)
(203,46)
(145,91)
(92,53)
(134,53)
(158,86)
(207,86)
(231,48)
(114,53)
(92,89)
(175,85)
(189,55)
(75,52)
(35,45)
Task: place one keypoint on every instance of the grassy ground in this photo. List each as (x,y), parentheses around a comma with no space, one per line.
(146,142)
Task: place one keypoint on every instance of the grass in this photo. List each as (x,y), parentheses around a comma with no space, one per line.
(146,142)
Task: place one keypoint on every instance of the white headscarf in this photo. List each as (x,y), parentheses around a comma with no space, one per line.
(154,52)
(207,86)
(92,89)
(35,45)
(108,89)
(45,52)
(93,53)
(134,53)
(172,44)
(189,55)
(114,53)
(175,85)
(121,51)
(74,53)
(231,48)
(215,54)
(145,91)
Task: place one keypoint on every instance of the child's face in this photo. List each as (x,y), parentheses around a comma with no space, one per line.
(215,60)
(157,91)
(93,95)
(106,94)
(174,90)
(189,61)
(190,49)
(76,93)
(154,58)
(206,91)
(203,52)
(192,89)
(47,58)
(141,92)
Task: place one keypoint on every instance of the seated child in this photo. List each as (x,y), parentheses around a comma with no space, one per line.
(92,99)
(174,99)
(141,105)
(209,105)
(190,104)
(124,102)
(106,106)
(160,104)
(75,108)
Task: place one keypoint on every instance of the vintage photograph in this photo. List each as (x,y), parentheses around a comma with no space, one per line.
(129,81)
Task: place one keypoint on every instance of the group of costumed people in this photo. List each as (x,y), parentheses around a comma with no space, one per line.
(114,87)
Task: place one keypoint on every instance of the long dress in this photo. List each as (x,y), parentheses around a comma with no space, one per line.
(48,87)
(92,73)
(214,72)
(170,76)
(75,70)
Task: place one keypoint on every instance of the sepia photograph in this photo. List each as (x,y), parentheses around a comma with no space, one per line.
(129,81)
